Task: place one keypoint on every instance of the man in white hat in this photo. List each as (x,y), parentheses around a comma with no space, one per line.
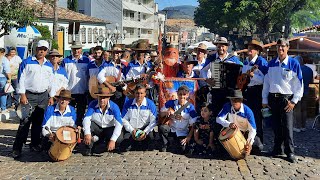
(34,80)
(76,66)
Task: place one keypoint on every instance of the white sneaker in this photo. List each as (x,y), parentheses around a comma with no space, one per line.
(303,129)
(296,130)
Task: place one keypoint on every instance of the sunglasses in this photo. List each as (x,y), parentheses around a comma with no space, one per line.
(43,48)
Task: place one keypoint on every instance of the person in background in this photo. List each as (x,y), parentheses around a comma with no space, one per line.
(187,68)
(60,74)
(14,61)
(300,111)
(5,77)
(76,66)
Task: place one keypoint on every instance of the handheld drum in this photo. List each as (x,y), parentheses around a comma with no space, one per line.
(233,141)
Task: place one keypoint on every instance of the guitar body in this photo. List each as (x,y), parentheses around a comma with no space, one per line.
(165,120)
(129,92)
(244,79)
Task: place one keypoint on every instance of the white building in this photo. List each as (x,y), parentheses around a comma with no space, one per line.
(138,18)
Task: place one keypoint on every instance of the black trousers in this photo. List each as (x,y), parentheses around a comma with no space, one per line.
(80,103)
(119,97)
(282,123)
(39,101)
(165,133)
(139,145)
(104,134)
(254,101)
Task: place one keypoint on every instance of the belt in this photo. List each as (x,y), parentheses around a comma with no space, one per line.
(255,86)
(279,95)
(29,92)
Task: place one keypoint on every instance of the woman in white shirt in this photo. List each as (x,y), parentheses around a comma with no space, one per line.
(14,62)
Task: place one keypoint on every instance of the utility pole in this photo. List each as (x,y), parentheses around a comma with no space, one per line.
(55,21)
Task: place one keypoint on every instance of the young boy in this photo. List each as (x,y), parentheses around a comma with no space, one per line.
(236,114)
(180,126)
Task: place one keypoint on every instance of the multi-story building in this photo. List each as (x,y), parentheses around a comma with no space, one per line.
(138,19)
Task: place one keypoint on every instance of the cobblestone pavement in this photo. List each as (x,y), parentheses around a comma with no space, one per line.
(160,165)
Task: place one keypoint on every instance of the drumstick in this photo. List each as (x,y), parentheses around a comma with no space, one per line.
(79,132)
(47,128)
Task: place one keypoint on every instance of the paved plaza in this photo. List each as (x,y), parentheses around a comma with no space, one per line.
(160,165)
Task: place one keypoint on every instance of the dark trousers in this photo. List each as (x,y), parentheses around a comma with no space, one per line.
(254,102)
(39,101)
(80,103)
(104,134)
(136,145)
(219,98)
(118,98)
(46,143)
(282,123)
(165,133)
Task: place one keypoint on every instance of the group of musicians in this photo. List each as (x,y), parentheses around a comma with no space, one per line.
(122,110)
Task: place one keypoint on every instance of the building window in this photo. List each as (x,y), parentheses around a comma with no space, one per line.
(100,32)
(81,11)
(83,35)
(95,35)
(131,16)
(90,35)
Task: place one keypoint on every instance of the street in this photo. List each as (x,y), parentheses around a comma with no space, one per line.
(160,165)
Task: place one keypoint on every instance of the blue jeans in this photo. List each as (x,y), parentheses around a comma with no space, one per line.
(3,96)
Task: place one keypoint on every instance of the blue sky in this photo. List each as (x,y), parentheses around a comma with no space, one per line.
(166,3)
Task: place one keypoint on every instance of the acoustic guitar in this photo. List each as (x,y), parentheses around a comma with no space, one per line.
(244,79)
(165,120)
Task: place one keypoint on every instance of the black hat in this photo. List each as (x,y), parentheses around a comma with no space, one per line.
(235,93)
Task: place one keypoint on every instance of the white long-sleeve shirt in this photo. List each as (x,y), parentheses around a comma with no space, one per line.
(35,78)
(111,117)
(258,74)
(136,117)
(283,78)
(245,123)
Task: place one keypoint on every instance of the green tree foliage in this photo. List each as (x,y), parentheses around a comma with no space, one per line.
(263,17)
(46,35)
(14,14)
(73,5)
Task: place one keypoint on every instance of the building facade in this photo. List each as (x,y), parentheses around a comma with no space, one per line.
(131,19)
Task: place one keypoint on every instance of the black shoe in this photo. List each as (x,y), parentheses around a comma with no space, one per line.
(291,158)
(87,152)
(163,149)
(36,148)
(16,154)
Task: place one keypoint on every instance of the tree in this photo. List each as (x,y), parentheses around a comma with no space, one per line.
(46,35)
(15,14)
(73,5)
(263,17)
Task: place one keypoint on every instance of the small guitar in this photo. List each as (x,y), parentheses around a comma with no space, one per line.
(165,120)
(244,79)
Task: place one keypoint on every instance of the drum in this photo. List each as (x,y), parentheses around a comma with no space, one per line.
(233,141)
(64,143)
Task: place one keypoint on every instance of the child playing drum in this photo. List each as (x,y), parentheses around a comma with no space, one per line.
(235,114)
(203,131)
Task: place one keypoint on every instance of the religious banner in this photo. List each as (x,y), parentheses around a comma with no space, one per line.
(170,86)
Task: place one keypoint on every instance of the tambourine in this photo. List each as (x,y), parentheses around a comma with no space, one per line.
(24,111)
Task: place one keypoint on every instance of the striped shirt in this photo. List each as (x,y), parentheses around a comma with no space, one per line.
(34,77)
(110,118)
(77,71)
(54,119)
(283,78)
(136,117)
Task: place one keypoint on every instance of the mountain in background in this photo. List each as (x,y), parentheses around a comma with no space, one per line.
(180,12)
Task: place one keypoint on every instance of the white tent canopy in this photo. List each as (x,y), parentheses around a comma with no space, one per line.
(209,45)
